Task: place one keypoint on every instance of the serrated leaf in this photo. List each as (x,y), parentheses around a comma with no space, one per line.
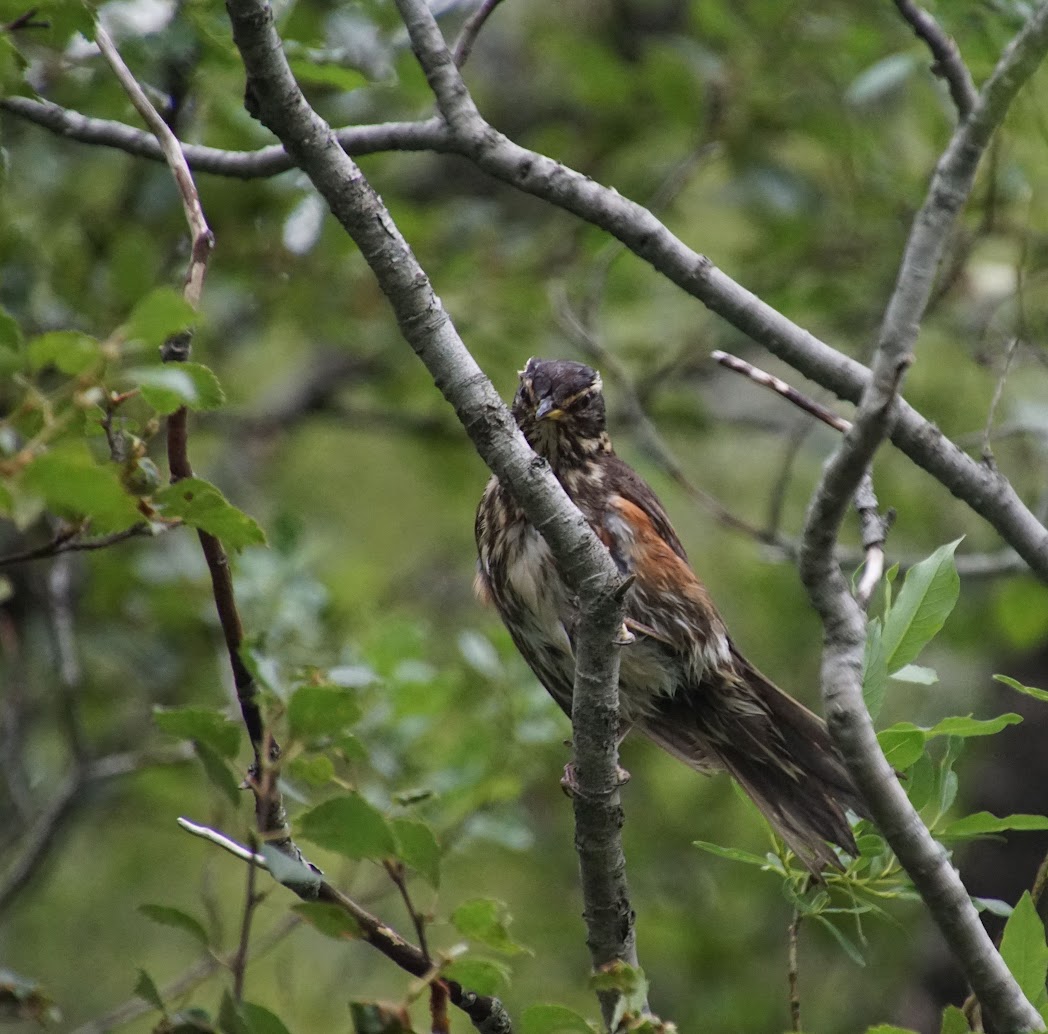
(486,921)
(73,484)
(351,827)
(554,1019)
(218,771)
(966,727)
(954,1021)
(199,503)
(483,976)
(733,854)
(917,674)
(201,724)
(290,871)
(315,769)
(924,603)
(158,315)
(1023,948)
(262,1020)
(419,849)
(70,351)
(1030,691)
(379,1018)
(147,990)
(874,669)
(170,387)
(321,711)
(328,919)
(983,823)
(177,919)
(902,744)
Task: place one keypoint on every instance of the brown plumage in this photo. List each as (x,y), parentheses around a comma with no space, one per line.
(683,683)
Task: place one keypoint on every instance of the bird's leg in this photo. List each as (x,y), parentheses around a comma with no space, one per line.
(569,781)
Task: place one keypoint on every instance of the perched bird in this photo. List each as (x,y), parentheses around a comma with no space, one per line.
(682,682)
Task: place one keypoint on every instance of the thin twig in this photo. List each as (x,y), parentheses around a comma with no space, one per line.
(792,971)
(195,975)
(487,1014)
(67,541)
(949,64)
(251,901)
(995,401)
(395,869)
(471,30)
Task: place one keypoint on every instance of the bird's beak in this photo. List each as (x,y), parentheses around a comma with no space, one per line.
(548,410)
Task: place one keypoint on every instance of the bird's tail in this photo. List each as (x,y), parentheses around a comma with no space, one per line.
(779,751)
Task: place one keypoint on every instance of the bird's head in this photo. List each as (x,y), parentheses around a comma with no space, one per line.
(559,406)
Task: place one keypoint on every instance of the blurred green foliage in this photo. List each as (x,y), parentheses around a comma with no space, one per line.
(790,143)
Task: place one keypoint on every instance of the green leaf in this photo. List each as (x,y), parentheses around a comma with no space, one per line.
(330,920)
(1023,948)
(924,603)
(887,1028)
(874,668)
(379,1018)
(419,849)
(67,350)
(315,769)
(917,674)
(968,726)
(350,826)
(201,724)
(230,1019)
(321,711)
(902,744)
(850,949)
(983,823)
(486,921)
(218,771)
(994,906)
(484,976)
(261,1020)
(327,74)
(10,332)
(733,854)
(147,990)
(200,504)
(73,484)
(1030,691)
(554,1019)
(170,387)
(291,872)
(193,1020)
(954,1021)
(160,314)
(177,919)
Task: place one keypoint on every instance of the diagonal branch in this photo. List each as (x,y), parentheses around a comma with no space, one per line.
(924,859)
(582,560)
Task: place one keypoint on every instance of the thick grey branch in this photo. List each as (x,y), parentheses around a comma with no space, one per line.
(924,859)
(581,558)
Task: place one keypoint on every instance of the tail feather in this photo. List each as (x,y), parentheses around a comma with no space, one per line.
(779,751)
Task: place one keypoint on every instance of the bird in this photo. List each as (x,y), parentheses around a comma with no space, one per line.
(683,682)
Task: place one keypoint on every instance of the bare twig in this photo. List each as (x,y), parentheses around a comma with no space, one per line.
(395,869)
(252,899)
(792,972)
(924,859)
(471,30)
(67,540)
(487,1014)
(995,400)
(195,975)
(949,64)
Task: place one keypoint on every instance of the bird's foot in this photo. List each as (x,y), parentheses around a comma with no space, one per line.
(624,636)
(569,780)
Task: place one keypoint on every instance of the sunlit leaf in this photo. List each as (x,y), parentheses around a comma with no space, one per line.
(927,597)
(169,387)
(917,674)
(954,1021)
(177,919)
(202,724)
(982,823)
(1023,948)
(966,727)
(733,854)
(486,921)
(158,315)
(199,503)
(349,826)
(1030,691)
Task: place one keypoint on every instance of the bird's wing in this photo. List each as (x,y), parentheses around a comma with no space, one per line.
(632,487)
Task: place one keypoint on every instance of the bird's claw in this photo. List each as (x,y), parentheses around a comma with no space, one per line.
(624,636)
(569,780)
